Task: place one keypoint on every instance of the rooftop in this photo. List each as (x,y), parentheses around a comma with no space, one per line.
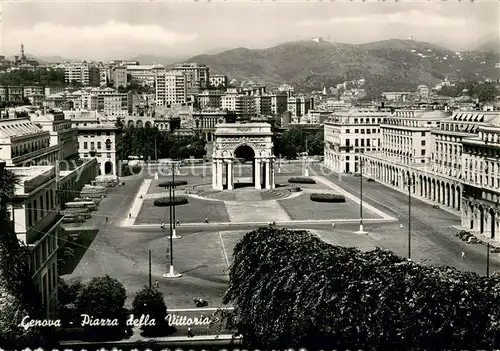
(17,127)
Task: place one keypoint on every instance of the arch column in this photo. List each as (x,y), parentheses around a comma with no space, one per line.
(257,173)
(214,174)
(230,175)
(267,174)
(273,185)
(219,175)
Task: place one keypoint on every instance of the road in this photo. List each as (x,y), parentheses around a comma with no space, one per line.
(431,229)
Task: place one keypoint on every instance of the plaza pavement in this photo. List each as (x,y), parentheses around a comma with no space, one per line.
(204,250)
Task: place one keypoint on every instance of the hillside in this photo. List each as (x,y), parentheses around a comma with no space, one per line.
(386,65)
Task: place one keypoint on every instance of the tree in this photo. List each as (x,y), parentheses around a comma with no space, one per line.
(37,76)
(103,298)
(18,296)
(150,301)
(291,289)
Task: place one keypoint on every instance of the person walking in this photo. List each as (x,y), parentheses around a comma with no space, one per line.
(463,255)
(107,219)
(190,332)
(157,285)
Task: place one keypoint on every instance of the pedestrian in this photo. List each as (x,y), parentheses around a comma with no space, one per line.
(177,222)
(401,226)
(190,333)
(162,226)
(333,225)
(463,255)
(106,219)
(157,285)
(206,219)
(130,215)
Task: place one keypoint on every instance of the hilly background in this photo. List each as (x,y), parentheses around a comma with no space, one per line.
(386,65)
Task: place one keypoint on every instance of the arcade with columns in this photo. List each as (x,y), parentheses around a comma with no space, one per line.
(235,142)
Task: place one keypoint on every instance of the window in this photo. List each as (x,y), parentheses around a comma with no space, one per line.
(47,201)
(422,152)
(356,131)
(30,215)
(356,142)
(422,143)
(348,142)
(422,134)
(362,131)
(347,131)
(368,131)
(367,142)
(92,145)
(98,145)
(363,142)
(85,145)
(35,210)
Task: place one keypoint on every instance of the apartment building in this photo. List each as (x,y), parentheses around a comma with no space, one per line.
(145,74)
(62,133)
(22,143)
(171,88)
(210,99)
(11,93)
(35,94)
(82,73)
(206,120)
(97,137)
(350,133)
(242,105)
(299,106)
(218,81)
(119,76)
(197,76)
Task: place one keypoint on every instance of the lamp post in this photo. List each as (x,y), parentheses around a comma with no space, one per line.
(306,169)
(172,214)
(171,273)
(361,229)
(409,183)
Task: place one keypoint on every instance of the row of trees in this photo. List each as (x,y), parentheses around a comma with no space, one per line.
(142,142)
(291,289)
(104,298)
(38,76)
(293,141)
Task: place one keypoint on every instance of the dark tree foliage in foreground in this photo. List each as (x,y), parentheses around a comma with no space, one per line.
(18,296)
(291,289)
(150,301)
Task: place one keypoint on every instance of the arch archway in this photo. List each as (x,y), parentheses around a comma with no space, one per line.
(139,124)
(108,167)
(130,124)
(148,124)
(481,219)
(244,156)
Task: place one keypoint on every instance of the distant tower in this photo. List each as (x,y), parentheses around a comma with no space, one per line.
(22,51)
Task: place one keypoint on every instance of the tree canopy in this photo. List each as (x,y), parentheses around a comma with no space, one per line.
(485,92)
(293,141)
(291,289)
(141,142)
(38,76)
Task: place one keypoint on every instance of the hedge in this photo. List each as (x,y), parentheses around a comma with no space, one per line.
(176,183)
(327,197)
(295,189)
(177,200)
(301,180)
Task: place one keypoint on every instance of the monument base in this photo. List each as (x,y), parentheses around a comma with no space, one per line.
(171,274)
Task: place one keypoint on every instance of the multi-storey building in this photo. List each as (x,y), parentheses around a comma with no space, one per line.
(299,106)
(279,103)
(481,178)
(97,137)
(263,105)
(105,100)
(171,88)
(83,73)
(22,143)
(242,105)
(145,74)
(350,133)
(34,212)
(119,76)
(10,93)
(54,90)
(218,81)
(197,76)
(205,121)
(318,116)
(62,133)
(210,99)
(35,94)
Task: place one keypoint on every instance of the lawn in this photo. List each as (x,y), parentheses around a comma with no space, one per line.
(194,212)
(302,208)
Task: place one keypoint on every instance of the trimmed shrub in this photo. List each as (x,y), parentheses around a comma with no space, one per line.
(327,197)
(301,180)
(295,189)
(177,200)
(176,183)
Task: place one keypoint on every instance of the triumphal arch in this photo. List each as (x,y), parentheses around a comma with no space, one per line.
(239,145)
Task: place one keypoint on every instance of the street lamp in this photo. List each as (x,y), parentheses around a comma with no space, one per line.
(171,273)
(306,169)
(172,213)
(409,183)
(361,229)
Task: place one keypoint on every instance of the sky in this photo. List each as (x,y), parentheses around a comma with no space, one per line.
(94,30)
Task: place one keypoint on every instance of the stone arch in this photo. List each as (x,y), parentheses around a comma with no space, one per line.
(108,167)
(459,197)
(472,216)
(210,137)
(130,124)
(453,196)
(139,124)
(447,195)
(147,124)
(481,219)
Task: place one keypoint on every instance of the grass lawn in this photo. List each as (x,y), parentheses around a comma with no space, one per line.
(194,212)
(302,208)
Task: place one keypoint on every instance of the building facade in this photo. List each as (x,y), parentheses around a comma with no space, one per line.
(197,76)
(350,133)
(218,81)
(82,73)
(171,88)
